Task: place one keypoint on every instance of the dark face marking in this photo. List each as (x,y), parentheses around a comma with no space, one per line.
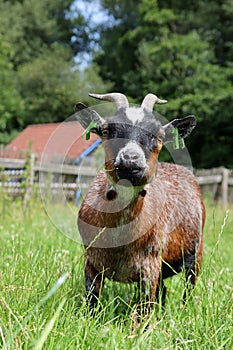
(147,133)
(132,148)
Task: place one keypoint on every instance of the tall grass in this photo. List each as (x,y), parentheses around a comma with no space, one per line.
(42,304)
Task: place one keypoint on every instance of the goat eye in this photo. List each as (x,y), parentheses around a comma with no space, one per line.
(159,138)
(105,132)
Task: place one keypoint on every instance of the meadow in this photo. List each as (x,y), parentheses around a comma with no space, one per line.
(42,295)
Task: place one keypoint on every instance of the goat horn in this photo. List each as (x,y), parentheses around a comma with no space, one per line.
(150,100)
(119,99)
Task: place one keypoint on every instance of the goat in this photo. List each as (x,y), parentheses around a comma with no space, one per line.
(140,221)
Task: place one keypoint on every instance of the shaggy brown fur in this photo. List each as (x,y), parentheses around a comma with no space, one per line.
(161,232)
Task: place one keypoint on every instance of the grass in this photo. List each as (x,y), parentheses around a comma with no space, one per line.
(42,303)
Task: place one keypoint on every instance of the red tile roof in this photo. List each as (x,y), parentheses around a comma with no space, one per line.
(54,139)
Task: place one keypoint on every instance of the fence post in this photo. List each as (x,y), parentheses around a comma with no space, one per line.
(32,169)
(30,176)
(224,186)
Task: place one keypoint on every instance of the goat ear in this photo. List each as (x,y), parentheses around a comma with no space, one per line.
(88,118)
(185,126)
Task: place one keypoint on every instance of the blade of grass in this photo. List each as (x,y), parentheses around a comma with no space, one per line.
(49,326)
(22,324)
(2,336)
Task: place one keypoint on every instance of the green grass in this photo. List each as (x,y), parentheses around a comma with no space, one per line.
(42,303)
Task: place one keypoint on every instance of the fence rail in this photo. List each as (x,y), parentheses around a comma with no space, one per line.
(218,182)
(17,176)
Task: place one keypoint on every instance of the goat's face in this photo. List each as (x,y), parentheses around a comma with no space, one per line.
(132,138)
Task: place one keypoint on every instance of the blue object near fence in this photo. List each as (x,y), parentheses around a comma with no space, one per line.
(78,161)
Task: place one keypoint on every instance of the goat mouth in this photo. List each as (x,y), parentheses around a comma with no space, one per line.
(133,174)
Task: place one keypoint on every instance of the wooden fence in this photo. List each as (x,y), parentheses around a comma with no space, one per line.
(18,176)
(218,182)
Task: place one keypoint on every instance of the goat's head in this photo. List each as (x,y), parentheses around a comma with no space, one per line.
(132,137)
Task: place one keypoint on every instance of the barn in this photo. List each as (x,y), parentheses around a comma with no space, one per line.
(64,138)
(56,147)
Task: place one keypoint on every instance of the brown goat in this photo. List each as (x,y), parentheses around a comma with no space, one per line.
(140,221)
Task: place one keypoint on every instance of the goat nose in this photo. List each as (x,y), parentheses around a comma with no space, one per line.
(129,157)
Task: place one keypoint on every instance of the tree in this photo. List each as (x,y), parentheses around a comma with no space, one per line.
(170,48)
(40,79)
(36,25)
(51,88)
(11,103)
(213,21)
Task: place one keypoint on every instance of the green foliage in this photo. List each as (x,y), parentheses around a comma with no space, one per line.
(36,25)
(39,79)
(48,85)
(11,103)
(182,52)
(42,293)
(213,21)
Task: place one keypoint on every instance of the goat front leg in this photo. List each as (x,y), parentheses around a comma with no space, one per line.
(148,285)
(94,283)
